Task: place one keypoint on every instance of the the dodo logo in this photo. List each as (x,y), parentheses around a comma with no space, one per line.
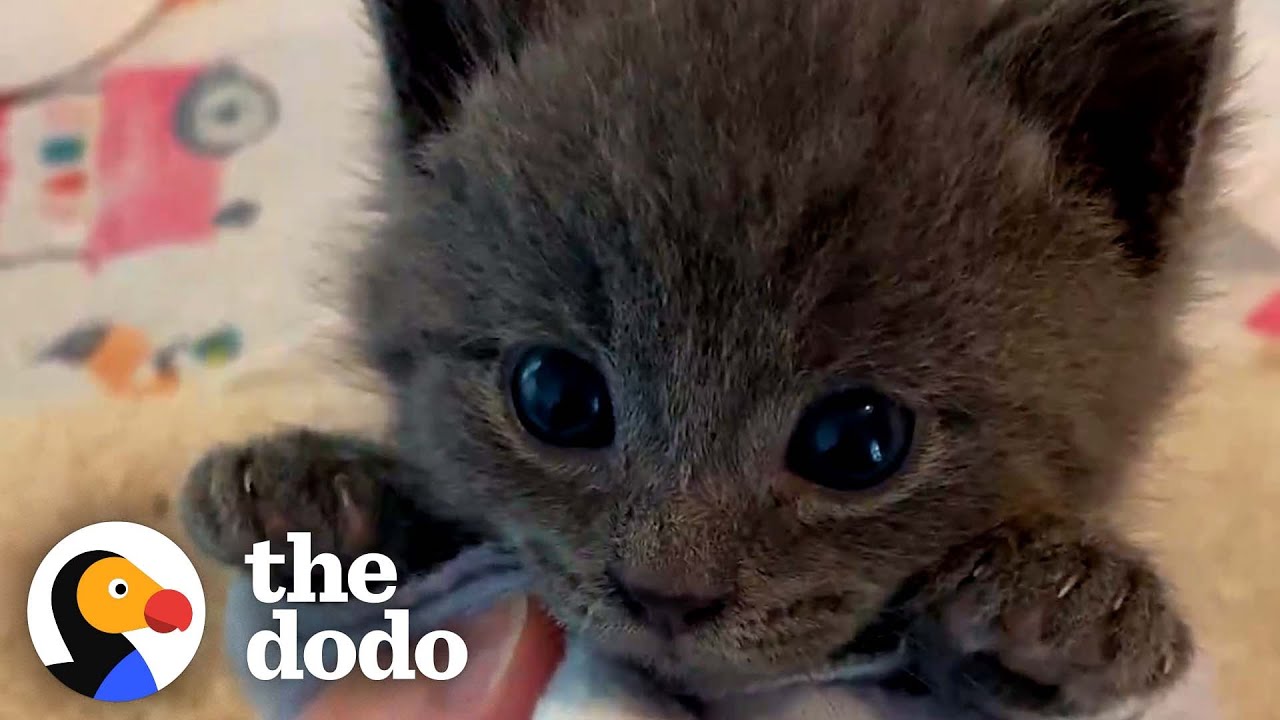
(116,611)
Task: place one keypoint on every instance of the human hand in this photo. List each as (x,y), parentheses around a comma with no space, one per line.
(512,651)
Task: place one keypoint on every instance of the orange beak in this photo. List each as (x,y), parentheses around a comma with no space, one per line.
(168,610)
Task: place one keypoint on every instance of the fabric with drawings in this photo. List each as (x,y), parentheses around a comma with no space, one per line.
(151,200)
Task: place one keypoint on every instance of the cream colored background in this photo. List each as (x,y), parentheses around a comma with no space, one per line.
(52,35)
(307,175)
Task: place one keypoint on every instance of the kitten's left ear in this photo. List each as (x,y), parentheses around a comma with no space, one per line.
(433,48)
(1131,90)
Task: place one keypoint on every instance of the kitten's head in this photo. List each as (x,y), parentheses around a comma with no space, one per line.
(733,316)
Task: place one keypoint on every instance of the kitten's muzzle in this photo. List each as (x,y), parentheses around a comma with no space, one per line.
(667,613)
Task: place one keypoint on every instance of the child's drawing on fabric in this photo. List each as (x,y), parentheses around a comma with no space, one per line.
(1265,318)
(138,163)
(217,348)
(237,213)
(5,166)
(71,122)
(124,362)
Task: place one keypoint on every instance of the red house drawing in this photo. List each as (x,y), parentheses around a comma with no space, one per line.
(158,157)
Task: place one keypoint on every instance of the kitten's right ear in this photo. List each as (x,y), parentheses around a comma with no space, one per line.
(1132,91)
(432,49)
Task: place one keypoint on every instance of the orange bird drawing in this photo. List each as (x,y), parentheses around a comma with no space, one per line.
(115,356)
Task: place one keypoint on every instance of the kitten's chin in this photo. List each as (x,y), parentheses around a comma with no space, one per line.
(718,659)
(691,666)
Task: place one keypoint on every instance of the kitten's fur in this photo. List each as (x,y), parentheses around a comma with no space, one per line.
(982,208)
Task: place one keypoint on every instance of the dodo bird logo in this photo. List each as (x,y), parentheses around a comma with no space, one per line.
(116,611)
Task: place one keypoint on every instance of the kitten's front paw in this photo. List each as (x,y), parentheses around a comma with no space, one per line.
(296,481)
(1043,620)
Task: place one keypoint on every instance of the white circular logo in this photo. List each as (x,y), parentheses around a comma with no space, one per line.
(116,611)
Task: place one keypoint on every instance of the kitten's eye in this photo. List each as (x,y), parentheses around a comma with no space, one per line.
(851,440)
(561,399)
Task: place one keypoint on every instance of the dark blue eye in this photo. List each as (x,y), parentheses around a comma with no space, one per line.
(851,440)
(562,399)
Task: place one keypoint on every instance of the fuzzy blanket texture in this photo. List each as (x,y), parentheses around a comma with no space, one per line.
(164,219)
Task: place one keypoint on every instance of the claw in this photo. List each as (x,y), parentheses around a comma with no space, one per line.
(357,527)
(1068,586)
(246,480)
(1115,606)
(343,484)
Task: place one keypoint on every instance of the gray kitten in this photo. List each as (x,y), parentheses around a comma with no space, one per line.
(773,332)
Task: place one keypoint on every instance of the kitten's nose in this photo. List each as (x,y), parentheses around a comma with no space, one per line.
(669,613)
